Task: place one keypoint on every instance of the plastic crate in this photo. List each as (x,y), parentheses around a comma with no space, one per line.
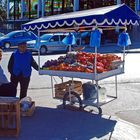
(9,116)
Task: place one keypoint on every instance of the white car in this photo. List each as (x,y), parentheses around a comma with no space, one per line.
(49,42)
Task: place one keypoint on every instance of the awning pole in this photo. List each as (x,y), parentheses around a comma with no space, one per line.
(38,43)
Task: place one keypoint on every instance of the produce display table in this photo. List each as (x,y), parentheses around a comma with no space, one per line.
(95,77)
(82,75)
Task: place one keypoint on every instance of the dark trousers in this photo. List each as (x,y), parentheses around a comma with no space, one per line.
(8,90)
(24,83)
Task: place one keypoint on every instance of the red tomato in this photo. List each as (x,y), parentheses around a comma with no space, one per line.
(100,69)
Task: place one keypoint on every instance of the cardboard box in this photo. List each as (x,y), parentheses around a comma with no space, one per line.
(30,111)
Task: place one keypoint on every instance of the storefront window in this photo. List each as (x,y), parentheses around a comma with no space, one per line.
(53,7)
(130,3)
(109,2)
(33,8)
(48,4)
(90,4)
(68,6)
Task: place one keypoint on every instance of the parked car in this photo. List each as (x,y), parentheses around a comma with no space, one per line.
(49,42)
(13,38)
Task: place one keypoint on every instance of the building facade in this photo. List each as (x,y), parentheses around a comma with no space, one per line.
(21,11)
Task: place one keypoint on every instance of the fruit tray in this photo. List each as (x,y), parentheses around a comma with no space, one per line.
(83,75)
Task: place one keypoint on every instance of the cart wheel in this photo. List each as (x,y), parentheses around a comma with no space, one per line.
(74,99)
(100,110)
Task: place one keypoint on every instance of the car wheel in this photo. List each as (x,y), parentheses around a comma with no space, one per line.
(7,45)
(43,50)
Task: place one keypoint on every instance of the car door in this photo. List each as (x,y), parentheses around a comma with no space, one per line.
(53,43)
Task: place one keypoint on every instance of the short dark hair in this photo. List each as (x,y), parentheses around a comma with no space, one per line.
(22,43)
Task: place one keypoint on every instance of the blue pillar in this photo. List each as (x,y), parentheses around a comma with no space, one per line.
(8,9)
(76,5)
(22,8)
(118,1)
(43,8)
(137,6)
(38,8)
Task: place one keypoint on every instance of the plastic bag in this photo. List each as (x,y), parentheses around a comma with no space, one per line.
(102,94)
(89,91)
(25,103)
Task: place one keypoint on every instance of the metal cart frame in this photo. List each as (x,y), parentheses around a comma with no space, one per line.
(95,77)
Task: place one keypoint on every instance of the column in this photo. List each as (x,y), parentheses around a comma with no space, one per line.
(22,9)
(76,5)
(118,1)
(8,9)
(38,8)
(137,6)
(43,8)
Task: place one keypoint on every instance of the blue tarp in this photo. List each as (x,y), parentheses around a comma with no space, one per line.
(95,38)
(116,15)
(69,39)
(124,39)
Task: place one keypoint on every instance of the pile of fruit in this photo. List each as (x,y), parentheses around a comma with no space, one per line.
(82,62)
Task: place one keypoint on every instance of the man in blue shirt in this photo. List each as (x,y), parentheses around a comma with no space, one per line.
(6,88)
(20,67)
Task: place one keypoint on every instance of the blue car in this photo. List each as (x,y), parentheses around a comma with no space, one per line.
(12,39)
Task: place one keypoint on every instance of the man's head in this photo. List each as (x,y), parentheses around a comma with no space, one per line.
(22,47)
(0,54)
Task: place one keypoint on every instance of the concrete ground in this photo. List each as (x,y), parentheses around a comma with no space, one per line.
(120,119)
(51,123)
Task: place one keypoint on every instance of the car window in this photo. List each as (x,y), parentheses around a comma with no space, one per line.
(18,35)
(28,34)
(45,37)
(54,38)
(62,37)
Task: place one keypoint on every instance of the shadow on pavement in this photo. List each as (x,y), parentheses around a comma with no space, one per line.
(59,124)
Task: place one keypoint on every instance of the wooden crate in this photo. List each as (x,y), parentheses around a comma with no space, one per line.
(65,85)
(62,88)
(29,112)
(9,116)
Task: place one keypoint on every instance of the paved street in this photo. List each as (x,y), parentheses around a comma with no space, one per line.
(68,125)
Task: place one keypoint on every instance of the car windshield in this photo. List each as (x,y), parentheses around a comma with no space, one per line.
(45,37)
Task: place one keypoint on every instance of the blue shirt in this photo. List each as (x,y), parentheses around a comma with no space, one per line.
(22,63)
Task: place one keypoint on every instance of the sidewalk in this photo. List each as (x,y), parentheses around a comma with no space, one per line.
(52,123)
(118,122)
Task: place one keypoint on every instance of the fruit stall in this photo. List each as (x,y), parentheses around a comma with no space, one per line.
(82,65)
